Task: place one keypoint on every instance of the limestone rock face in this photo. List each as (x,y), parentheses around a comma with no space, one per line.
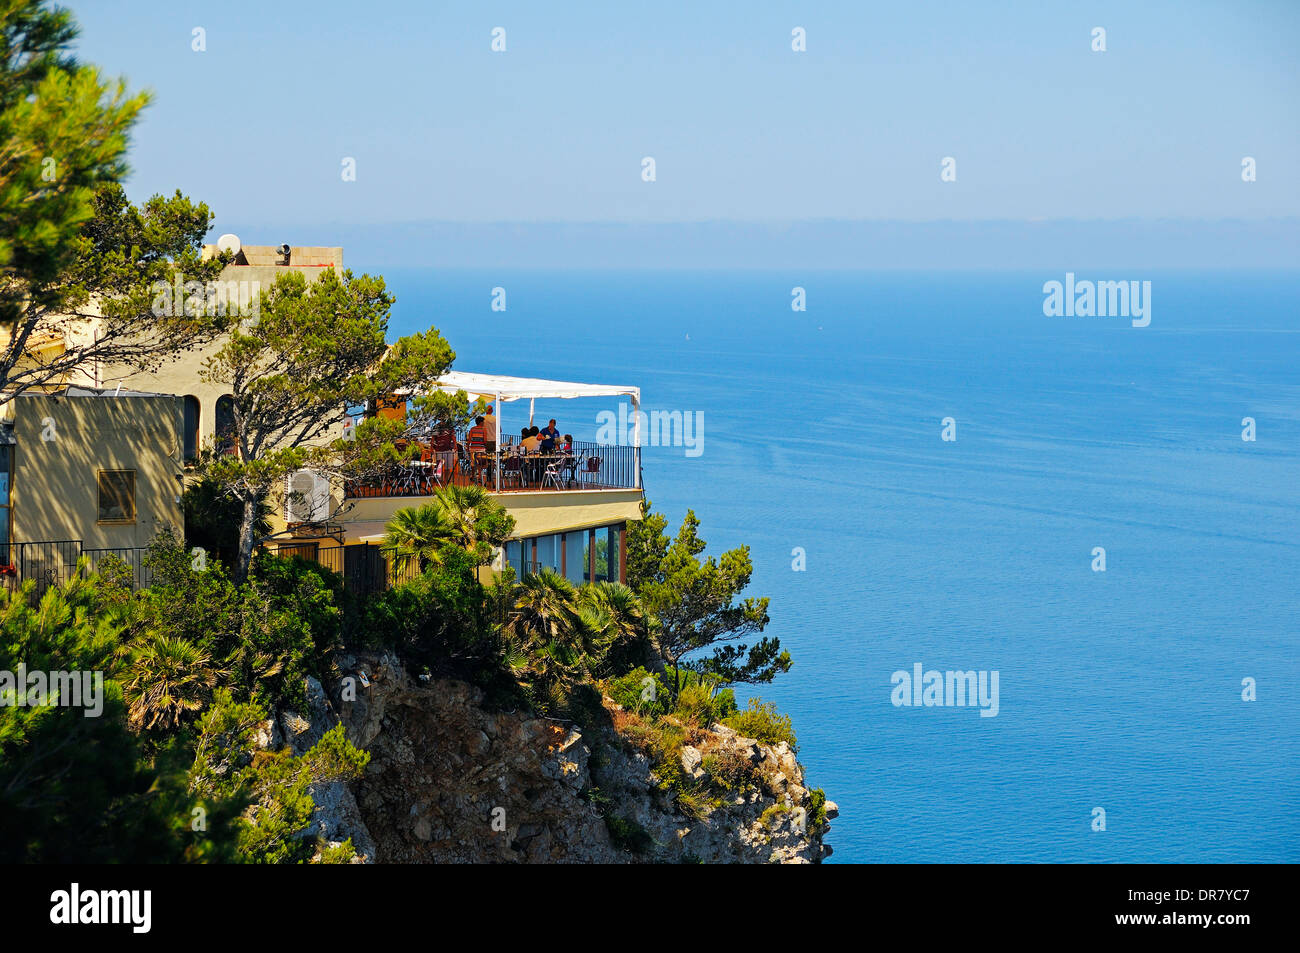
(337,816)
(450,781)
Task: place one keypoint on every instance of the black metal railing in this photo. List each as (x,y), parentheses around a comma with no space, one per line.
(133,556)
(365,567)
(587,466)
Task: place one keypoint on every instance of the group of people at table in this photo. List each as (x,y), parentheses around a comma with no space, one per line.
(536,451)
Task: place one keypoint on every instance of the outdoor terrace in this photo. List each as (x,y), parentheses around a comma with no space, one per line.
(453,459)
(588,466)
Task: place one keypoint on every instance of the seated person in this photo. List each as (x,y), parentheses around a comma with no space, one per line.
(444,447)
(474,444)
(531,441)
(477,435)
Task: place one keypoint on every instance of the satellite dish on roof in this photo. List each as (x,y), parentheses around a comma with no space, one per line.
(228,242)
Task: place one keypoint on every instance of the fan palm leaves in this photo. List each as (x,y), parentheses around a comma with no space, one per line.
(461,505)
(545,603)
(479,522)
(167,678)
(546,627)
(625,627)
(558,632)
(466,516)
(416,535)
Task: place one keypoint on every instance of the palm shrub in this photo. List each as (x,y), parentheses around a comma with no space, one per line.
(168,679)
(625,628)
(416,536)
(464,516)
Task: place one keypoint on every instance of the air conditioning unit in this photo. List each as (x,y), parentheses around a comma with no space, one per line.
(307,497)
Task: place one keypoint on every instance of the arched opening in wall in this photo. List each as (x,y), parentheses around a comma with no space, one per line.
(224,421)
(191,435)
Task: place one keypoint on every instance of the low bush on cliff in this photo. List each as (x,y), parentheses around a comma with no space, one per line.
(702,703)
(230,767)
(763,723)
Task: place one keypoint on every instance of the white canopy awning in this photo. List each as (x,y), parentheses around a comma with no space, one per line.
(528,388)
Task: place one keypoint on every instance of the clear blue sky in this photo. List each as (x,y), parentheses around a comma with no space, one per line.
(741,127)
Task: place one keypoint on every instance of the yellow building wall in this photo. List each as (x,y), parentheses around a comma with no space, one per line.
(181,376)
(60,445)
(535,513)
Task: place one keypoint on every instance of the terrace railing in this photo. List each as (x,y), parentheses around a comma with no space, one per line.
(590,466)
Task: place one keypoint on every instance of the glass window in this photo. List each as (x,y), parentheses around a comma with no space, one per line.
(611,535)
(548,553)
(575,545)
(6,481)
(513,557)
(191,450)
(602,555)
(6,472)
(116,496)
(224,421)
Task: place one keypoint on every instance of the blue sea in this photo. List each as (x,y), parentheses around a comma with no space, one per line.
(1119,690)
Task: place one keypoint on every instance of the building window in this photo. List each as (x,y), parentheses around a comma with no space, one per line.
(515,557)
(6,502)
(224,421)
(575,554)
(548,554)
(117,496)
(191,450)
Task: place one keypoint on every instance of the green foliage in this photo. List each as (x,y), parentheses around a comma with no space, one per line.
(695,601)
(622,629)
(274,784)
(771,813)
(702,704)
(167,680)
(817,810)
(202,607)
(315,349)
(84,789)
(561,637)
(440,617)
(64,130)
(303,625)
(763,723)
(212,520)
(640,691)
(263,637)
(343,853)
(467,518)
(627,835)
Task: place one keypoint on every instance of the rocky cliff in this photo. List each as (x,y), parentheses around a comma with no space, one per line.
(450,781)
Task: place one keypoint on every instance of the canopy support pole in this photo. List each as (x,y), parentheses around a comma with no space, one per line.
(636,429)
(500,411)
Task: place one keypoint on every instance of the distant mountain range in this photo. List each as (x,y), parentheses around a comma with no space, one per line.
(939,245)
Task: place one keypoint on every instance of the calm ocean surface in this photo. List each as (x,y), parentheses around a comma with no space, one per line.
(1120,690)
